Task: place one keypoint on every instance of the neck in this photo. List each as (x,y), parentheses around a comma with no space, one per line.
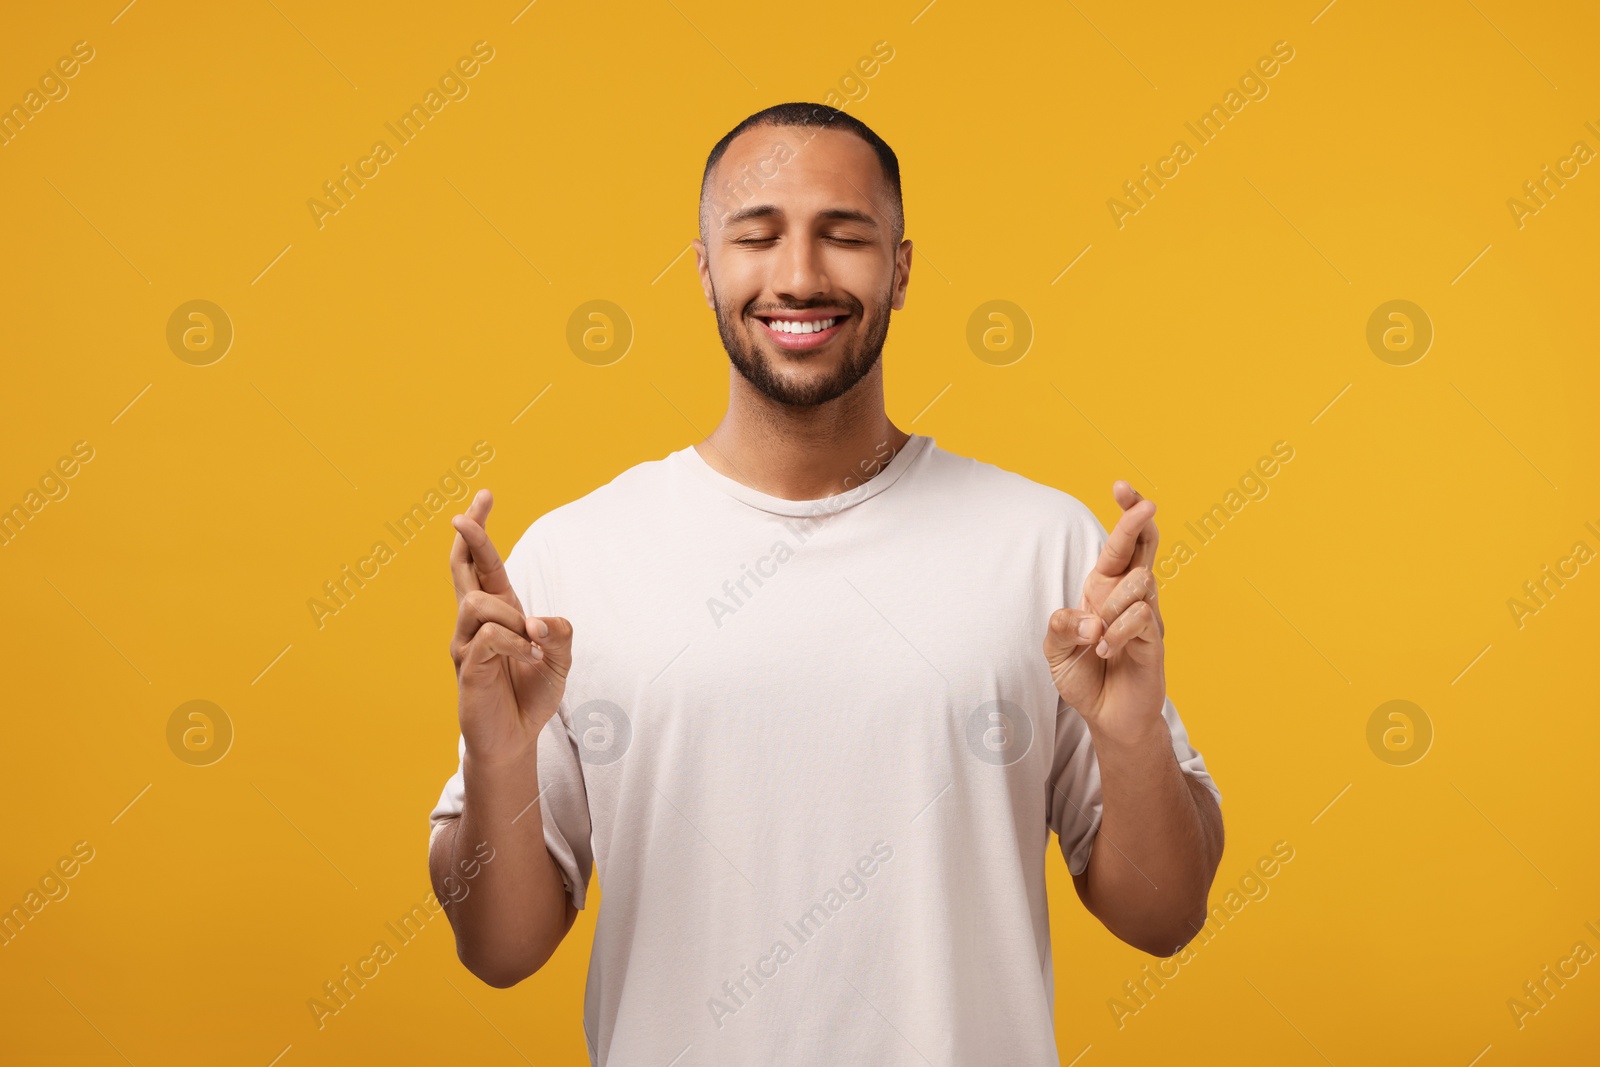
(803,453)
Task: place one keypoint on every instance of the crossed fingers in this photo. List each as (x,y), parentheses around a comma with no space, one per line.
(1129,611)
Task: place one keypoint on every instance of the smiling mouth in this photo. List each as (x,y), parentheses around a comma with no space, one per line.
(803,331)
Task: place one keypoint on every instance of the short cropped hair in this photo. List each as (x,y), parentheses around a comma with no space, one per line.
(822,117)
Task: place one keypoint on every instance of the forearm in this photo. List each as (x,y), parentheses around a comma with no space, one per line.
(1158,846)
(513,912)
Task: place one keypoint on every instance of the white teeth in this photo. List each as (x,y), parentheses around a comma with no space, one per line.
(784,326)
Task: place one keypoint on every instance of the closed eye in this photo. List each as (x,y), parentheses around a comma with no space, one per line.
(836,238)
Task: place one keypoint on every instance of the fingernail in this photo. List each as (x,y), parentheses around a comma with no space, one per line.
(1102,649)
(541,628)
(535,652)
(1085,627)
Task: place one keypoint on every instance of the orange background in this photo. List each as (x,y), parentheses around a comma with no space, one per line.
(370,353)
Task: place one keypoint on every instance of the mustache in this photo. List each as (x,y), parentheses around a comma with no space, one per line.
(853,307)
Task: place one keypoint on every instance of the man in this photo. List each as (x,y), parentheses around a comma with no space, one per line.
(784,690)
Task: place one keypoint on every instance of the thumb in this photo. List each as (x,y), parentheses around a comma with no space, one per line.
(1069,630)
(541,683)
(553,635)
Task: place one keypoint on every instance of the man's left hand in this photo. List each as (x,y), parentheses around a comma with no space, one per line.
(1106,655)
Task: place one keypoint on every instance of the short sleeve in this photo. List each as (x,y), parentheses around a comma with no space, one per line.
(563,800)
(1076,803)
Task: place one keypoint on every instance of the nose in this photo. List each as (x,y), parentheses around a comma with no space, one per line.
(799,274)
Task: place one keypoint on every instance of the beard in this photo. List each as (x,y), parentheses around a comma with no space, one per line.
(757,367)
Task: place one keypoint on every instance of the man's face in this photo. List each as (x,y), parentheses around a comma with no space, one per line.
(800,260)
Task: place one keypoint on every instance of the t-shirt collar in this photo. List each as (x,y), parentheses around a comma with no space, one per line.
(915,446)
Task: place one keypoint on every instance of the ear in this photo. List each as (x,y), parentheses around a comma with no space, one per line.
(902,275)
(702,266)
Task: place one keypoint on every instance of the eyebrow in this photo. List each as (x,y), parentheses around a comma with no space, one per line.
(770,211)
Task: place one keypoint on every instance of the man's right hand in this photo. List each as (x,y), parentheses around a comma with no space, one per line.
(511,668)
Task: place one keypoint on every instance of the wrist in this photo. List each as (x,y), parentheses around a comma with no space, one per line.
(1138,745)
(500,790)
(500,765)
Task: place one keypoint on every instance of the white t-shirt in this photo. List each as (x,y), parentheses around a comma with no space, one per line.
(814,752)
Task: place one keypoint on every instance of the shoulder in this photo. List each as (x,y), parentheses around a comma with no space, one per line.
(998,494)
(615,507)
